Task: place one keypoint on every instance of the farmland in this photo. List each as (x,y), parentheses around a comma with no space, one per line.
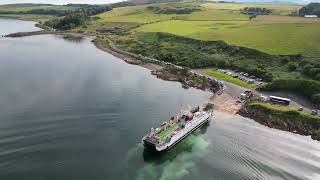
(277,38)
(215,35)
(276,34)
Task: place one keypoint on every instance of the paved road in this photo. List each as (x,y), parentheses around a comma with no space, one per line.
(232,89)
(234,92)
(228,100)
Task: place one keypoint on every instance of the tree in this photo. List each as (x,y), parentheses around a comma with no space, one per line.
(310,9)
(70,21)
(292,66)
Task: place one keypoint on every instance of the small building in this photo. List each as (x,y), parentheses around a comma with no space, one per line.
(310,16)
(279,100)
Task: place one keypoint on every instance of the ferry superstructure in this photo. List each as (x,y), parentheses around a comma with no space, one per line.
(176,129)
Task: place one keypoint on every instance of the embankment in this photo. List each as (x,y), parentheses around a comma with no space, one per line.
(169,73)
(282,118)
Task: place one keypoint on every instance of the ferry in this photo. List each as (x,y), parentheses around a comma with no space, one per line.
(172,131)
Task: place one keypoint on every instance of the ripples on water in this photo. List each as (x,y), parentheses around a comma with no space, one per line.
(234,148)
(8,26)
(70,111)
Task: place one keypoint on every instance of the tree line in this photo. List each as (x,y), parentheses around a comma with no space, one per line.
(310,9)
(255,11)
(178,10)
(78,17)
(307,88)
(193,53)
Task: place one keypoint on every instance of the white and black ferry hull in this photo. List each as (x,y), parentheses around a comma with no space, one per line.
(167,148)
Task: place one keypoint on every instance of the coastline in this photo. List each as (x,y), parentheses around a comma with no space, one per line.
(290,121)
(157,70)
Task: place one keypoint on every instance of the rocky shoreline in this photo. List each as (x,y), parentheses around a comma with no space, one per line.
(289,124)
(157,70)
(130,58)
(261,117)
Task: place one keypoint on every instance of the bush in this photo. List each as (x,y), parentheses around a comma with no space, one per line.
(255,11)
(177,10)
(68,22)
(292,66)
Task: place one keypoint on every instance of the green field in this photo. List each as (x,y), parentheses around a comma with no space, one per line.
(284,109)
(219,75)
(279,9)
(281,39)
(277,34)
(137,14)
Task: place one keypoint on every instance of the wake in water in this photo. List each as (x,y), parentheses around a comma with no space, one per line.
(175,164)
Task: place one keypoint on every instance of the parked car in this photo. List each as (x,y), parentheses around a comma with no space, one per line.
(246,74)
(252,77)
(300,109)
(314,112)
(241,73)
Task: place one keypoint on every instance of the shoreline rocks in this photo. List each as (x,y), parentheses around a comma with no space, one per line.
(279,122)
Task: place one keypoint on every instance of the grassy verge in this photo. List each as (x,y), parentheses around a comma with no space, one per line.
(219,75)
(284,112)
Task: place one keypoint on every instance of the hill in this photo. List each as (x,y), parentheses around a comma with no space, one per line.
(310,9)
(277,34)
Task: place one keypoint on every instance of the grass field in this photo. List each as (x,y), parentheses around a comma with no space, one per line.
(189,28)
(284,109)
(277,38)
(274,34)
(219,75)
(277,34)
(137,14)
(279,9)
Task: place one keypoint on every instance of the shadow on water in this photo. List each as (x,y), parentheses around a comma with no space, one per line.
(185,146)
(72,38)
